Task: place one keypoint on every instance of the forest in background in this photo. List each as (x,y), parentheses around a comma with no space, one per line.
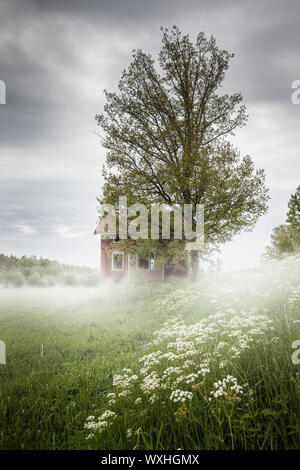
(30,271)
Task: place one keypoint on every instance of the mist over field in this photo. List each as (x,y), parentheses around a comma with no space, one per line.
(209,365)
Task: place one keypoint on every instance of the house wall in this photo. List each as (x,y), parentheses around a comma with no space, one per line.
(106,247)
(176,272)
(155,275)
(130,264)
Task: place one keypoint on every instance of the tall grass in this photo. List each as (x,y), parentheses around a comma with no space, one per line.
(205,366)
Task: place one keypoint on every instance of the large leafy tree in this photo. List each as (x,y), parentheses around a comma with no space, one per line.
(167,132)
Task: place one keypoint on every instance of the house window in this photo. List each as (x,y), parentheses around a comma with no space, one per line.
(117,261)
(147,263)
(143,263)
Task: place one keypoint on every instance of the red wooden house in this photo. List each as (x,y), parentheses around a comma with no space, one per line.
(117,265)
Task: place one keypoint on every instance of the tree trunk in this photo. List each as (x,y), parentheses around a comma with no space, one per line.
(195,264)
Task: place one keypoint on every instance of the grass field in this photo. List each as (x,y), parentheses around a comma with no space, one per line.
(170,366)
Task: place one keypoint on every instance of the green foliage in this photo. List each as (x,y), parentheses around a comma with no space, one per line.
(293,215)
(41,272)
(285,239)
(14,278)
(165,135)
(34,279)
(170,254)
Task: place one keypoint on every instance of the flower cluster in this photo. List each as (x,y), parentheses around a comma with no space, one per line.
(124,383)
(181,396)
(99,425)
(227,388)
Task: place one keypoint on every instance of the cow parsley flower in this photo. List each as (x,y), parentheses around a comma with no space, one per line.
(181,396)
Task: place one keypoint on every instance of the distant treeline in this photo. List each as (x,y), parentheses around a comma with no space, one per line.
(41,272)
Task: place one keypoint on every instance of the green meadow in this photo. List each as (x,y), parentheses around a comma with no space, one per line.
(164,366)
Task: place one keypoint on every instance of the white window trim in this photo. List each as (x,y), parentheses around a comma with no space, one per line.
(112,260)
(151,269)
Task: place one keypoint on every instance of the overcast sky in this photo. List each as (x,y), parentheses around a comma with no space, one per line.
(57,57)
